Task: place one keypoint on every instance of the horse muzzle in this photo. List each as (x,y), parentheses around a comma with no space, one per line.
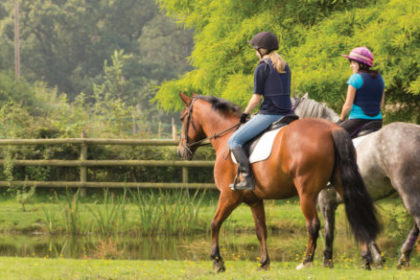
(184,153)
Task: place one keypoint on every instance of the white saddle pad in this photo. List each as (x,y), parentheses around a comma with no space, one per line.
(263,148)
(358,140)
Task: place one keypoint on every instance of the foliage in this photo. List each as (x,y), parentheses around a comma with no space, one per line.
(312,36)
(23,195)
(112,216)
(70,207)
(165,212)
(64,44)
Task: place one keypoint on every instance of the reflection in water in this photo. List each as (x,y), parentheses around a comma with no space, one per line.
(245,246)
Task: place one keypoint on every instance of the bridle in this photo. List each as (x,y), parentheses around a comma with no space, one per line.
(184,138)
(297,102)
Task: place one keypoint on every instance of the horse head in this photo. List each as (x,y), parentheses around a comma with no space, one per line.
(191,132)
(305,107)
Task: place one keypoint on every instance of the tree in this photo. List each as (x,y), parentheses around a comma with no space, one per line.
(312,33)
(66,42)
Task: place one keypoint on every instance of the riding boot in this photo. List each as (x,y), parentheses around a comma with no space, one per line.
(247,182)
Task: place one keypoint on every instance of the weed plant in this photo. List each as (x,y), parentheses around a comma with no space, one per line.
(167,212)
(70,206)
(111,216)
(139,212)
(50,220)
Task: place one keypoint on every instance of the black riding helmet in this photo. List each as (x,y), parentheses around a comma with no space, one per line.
(265,40)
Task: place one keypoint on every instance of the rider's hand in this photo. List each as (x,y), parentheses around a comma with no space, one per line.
(244,117)
(339,122)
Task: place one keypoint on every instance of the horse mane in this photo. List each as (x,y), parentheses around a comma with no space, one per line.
(220,105)
(309,108)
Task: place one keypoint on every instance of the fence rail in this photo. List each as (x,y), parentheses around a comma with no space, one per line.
(84,163)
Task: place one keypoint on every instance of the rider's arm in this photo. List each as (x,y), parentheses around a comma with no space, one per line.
(253,102)
(351,93)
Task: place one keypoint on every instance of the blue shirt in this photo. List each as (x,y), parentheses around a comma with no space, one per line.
(274,87)
(356,112)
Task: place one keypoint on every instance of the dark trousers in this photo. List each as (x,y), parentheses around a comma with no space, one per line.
(353,126)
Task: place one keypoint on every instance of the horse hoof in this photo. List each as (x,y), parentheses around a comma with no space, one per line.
(379,265)
(366,266)
(264,267)
(219,267)
(328,263)
(304,265)
(403,263)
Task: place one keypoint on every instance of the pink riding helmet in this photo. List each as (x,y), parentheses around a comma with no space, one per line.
(362,55)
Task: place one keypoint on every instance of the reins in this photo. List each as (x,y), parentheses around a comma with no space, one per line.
(187,146)
(297,102)
(214,136)
(221,133)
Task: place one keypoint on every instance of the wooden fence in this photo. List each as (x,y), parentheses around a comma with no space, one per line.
(83,163)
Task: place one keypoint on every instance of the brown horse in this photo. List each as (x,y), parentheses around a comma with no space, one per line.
(306,155)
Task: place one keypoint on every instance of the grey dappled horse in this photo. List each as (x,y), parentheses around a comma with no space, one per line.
(389,161)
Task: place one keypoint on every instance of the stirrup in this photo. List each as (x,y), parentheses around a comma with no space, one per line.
(235,181)
(234,185)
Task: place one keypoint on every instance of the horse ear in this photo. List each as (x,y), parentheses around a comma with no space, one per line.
(306,95)
(185,98)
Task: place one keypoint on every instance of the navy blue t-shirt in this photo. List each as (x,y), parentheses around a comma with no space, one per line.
(274,87)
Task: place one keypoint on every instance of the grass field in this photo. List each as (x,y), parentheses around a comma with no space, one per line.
(35,268)
(282,216)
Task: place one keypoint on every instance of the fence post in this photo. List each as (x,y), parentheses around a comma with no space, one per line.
(185,176)
(83,169)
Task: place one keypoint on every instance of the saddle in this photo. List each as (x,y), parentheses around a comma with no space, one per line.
(259,147)
(368,128)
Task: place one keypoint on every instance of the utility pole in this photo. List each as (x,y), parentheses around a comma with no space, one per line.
(17,46)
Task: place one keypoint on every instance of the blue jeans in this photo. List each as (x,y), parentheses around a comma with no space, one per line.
(251,129)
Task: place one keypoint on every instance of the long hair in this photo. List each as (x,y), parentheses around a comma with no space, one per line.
(366,69)
(278,62)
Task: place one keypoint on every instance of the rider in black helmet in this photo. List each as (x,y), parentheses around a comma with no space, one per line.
(272,83)
(264,40)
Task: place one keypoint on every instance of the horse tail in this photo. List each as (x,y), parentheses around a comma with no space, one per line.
(360,211)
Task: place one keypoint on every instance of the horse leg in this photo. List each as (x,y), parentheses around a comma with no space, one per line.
(308,206)
(366,256)
(378,259)
(410,198)
(225,206)
(327,203)
(407,247)
(261,230)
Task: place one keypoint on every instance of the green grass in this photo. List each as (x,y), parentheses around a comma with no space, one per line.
(99,215)
(47,215)
(140,213)
(102,212)
(36,268)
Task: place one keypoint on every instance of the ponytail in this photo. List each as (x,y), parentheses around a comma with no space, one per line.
(278,62)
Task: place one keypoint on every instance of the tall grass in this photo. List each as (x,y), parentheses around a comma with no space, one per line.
(168,212)
(111,216)
(137,212)
(70,206)
(50,219)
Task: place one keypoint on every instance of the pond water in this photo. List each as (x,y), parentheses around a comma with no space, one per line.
(234,246)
